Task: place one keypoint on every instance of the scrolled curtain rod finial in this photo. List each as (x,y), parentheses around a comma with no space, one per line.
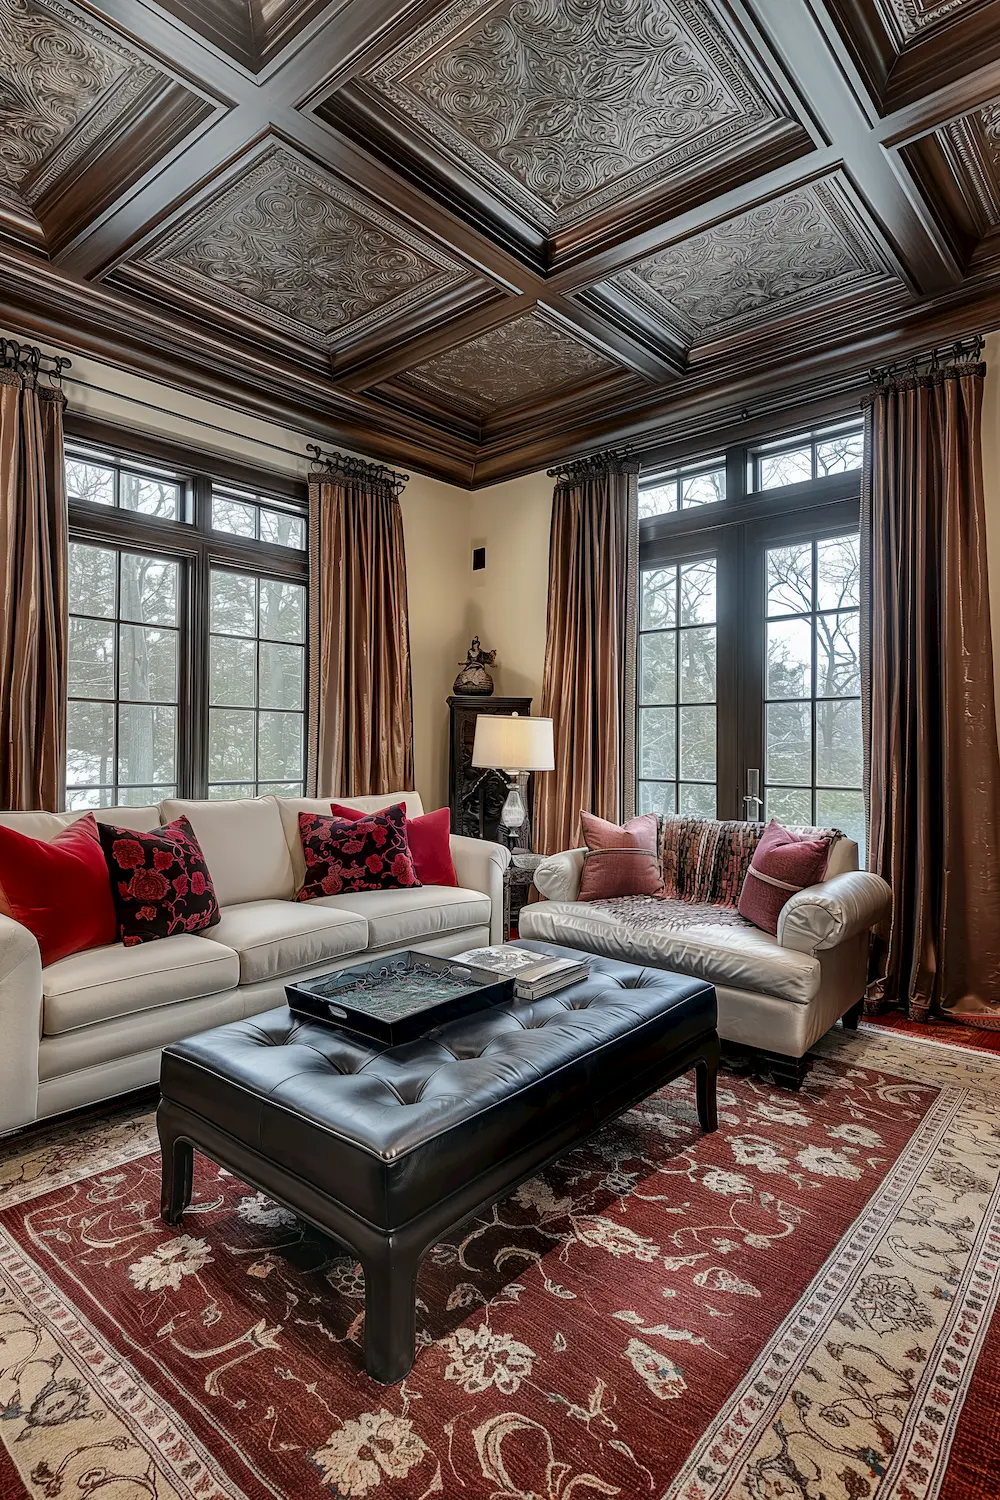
(953,358)
(347,466)
(33,364)
(610,461)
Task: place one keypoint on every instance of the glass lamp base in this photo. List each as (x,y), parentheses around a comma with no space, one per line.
(514,813)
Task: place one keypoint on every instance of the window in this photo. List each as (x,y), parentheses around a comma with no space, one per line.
(257,662)
(124,660)
(749,662)
(677,689)
(680,488)
(187,650)
(813,455)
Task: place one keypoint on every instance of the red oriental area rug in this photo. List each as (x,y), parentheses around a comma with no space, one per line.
(797,1306)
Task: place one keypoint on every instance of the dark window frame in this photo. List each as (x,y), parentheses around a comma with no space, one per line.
(198,548)
(737,531)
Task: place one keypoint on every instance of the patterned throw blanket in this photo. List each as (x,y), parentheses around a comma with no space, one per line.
(668,914)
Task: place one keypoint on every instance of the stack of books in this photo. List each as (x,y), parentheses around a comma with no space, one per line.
(548,976)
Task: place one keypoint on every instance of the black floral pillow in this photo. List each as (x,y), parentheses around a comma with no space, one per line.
(159,881)
(369,854)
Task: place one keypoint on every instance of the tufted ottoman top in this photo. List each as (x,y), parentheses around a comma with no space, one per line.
(385,1130)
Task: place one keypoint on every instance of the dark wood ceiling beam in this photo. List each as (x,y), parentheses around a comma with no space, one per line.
(799,40)
(972,91)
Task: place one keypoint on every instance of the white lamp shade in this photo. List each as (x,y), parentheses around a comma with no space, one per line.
(513,744)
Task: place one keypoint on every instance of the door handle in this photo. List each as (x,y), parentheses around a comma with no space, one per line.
(753,802)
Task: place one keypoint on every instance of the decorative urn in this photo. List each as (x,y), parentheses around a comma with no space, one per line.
(474,679)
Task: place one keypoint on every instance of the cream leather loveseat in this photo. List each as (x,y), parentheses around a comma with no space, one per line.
(779,994)
(92,1025)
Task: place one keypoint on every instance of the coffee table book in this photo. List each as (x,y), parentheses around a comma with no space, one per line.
(398,999)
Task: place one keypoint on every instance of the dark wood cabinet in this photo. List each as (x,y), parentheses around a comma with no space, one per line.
(476,796)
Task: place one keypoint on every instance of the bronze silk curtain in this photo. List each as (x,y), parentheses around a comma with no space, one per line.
(360,703)
(589,672)
(934,771)
(34,548)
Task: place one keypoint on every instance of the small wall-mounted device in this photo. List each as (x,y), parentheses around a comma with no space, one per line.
(478,559)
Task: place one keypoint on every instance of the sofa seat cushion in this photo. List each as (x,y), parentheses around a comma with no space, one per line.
(281,937)
(396,918)
(104,983)
(709,942)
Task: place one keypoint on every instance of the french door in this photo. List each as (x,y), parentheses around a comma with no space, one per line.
(749,690)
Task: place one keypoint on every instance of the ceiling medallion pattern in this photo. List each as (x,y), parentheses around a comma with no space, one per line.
(510,364)
(63,82)
(805,245)
(909,18)
(570,105)
(975,143)
(290,243)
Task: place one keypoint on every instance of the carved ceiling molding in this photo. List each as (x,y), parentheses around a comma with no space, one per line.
(567,107)
(907,19)
(807,246)
(251,31)
(65,81)
(297,248)
(973,144)
(506,366)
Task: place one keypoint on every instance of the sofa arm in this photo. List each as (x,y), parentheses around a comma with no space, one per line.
(480,866)
(825,915)
(20,1024)
(558,877)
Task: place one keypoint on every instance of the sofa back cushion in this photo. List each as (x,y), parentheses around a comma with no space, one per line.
(45,825)
(290,807)
(244,847)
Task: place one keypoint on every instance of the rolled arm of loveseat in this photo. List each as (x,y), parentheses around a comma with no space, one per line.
(558,877)
(20,1024)
(825,915)
(479,866)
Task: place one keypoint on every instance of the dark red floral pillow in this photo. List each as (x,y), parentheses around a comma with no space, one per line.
(160,882)
(369,854)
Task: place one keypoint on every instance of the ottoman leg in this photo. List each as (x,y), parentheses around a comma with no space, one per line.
(706,1076)
(390,1311)
(177,1177)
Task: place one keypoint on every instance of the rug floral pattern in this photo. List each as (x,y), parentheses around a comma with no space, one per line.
(790,1308)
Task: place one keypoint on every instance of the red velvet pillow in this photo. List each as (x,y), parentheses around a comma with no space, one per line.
(159,880)
(58,888)
(346,855)
(620,861)
(429,838)
(783,863)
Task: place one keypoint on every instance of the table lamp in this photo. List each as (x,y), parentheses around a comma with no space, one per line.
(514,745)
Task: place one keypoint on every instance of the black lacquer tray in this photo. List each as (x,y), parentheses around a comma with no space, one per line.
(399,998)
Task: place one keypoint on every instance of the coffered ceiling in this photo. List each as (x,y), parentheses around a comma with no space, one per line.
(477,236)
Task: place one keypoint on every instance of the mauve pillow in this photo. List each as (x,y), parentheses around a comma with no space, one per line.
(429,838)
(783,863)
(58,888)
(620,861)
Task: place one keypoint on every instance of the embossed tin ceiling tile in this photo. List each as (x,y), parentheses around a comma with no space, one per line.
(508,365)
(804,246)
(64,82)
(974,143)
(293,245)
(907,19)
(568,106)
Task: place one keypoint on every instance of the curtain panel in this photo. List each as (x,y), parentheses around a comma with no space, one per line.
(34,548)
(933,767)
(588,684)
(360,700)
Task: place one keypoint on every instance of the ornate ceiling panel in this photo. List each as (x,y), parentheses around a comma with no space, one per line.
(805,247)
(564,109)
(973,143)
(291,245)
(911,18)
(510,365)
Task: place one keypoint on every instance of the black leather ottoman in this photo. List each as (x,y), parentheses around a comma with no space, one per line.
(388,1149)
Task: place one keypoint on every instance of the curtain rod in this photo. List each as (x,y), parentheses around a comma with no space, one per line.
(33,363)
(611,461)
(960,355)
(350,467)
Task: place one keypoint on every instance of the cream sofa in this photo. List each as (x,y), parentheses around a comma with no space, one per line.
(779,994)
(92,1025)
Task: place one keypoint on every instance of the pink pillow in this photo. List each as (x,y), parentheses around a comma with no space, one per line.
(429,838)
(783,863)
(620,861)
